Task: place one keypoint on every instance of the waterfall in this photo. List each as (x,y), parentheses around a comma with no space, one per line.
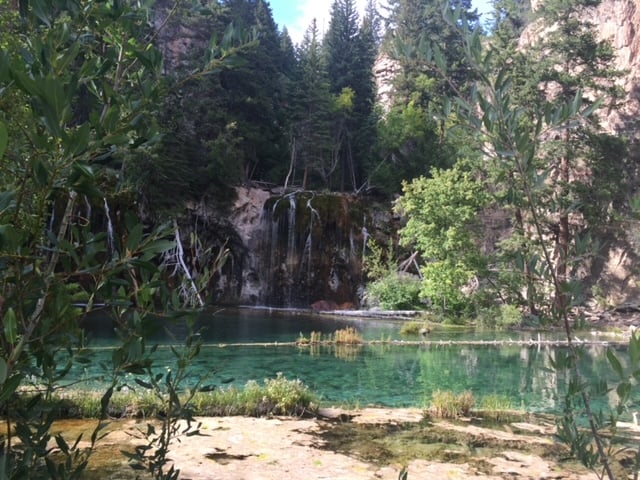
(189,289)
(292,260)
(52,220)
(365,238)
(310,250)
(110,237)
(89,210)
(309,243)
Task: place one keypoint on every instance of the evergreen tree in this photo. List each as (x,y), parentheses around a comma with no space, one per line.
(413,22)
(192,160)
(509,18)
(254,94)
(351,51)
(311,159)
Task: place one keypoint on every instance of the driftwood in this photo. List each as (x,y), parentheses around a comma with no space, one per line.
(430,343)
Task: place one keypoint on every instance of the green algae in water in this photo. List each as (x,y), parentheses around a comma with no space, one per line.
(385,444)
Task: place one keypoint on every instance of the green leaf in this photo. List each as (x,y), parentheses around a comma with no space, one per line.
(41,11)
(134,237)
(9,238)
(62,444)
(634,351)
(614,362)
(624,392)
(3,370)
(9,387)
(4,139)
(40,172)
(144,384)
(80,140)
(10,326)
(7,201)
(160,246)
(587,112)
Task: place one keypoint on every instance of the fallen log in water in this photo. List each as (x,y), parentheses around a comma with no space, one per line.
(430,343)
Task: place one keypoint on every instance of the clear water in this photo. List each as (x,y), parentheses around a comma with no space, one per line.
(385,375)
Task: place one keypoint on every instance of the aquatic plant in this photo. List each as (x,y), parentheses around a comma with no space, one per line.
(496,406)
(447,404)
(348,335)
(414,328)
(277,396)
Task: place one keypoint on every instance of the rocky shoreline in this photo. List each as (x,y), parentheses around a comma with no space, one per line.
(363,444)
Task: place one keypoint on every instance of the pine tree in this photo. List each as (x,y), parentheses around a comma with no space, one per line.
(310,137)
(410,24)
(254,93)
(351,51)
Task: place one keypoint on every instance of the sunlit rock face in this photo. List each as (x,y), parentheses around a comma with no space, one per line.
(385,70)
(616,21)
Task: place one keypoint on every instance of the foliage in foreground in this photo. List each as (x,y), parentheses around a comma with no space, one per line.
(517,134)
(79,86)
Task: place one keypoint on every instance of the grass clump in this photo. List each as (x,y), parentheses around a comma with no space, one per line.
(276,396)
(446,404)
(347,336)
(496,407)
(343,336)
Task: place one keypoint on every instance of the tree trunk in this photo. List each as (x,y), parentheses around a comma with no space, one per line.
(563,236)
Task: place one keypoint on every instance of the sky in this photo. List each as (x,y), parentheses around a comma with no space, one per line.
(296,15)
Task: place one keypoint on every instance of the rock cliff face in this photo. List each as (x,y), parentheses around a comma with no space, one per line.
(618,22)
(287,250)
(384,70)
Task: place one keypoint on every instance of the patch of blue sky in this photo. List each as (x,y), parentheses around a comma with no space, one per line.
(297,15)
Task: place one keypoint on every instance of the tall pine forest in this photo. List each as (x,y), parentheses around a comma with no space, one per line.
(511,190)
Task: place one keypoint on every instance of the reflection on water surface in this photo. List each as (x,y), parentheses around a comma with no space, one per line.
(380,374)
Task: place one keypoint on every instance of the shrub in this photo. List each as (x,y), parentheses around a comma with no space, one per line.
(510,316)
(446,404)
(504,316)
(413,328)
(396,291)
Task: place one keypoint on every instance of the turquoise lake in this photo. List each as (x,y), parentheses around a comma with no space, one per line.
(382,374)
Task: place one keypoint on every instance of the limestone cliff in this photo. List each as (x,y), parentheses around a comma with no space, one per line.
(618,22)
(615,276)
